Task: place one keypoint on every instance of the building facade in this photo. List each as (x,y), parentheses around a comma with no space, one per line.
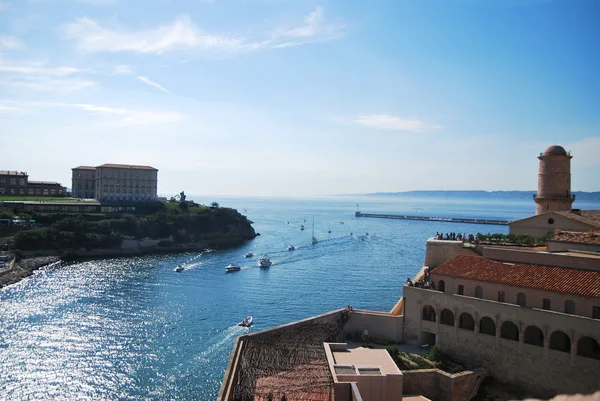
(13,183)
(17,183)
(84,182)
(45,188)
(122,182)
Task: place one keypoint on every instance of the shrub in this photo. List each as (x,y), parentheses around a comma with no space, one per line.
(366,337)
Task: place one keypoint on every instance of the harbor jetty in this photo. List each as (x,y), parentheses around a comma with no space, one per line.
(433,219)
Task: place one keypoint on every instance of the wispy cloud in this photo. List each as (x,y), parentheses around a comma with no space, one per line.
(47,84)
(10,41)
(123,70)
(154,84)
(125,116)
(179,35)
(38,77)
(182,34)
(389,122)
(315,29)
(9,108)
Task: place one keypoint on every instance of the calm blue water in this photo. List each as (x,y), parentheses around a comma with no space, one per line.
(132,329)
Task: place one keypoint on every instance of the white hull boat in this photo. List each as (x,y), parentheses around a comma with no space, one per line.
(248,254)
(179,269)
(247,322)
(232,268)
(265,262)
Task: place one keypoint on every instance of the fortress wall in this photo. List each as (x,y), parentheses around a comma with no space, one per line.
(382,326)
(539,370)
(439,251)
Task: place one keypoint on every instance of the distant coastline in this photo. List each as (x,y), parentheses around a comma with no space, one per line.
(465,194)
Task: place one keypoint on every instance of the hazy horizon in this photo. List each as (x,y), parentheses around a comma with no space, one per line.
(302,98)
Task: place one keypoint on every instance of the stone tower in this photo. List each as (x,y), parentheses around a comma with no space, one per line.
(554,181)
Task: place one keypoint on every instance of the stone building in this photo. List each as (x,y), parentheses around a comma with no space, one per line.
(122,182)
(45,188)
(17,183)
(13,183)
(83,184)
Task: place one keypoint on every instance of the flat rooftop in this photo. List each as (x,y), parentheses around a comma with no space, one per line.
(362,357)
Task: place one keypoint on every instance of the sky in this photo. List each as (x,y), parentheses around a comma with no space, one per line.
(302,97)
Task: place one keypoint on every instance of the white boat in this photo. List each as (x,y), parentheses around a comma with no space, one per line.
(291,248)
(232,268)
(265,261)
(179,269)
(247,322)
(249,254)
(313,240)
(302,227)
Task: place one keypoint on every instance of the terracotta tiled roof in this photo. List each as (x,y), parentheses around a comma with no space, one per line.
(591,217)
(577,237)
(84,168)
(558,279)
(132,166)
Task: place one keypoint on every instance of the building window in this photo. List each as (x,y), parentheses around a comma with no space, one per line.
(570,307)
(500,296)
(595,312)
(13,181)
(521,299)
(442,285)
(550,221)
(546,304)
(478,292)
(2,180)
(461,290)
(22,181)
(21,191)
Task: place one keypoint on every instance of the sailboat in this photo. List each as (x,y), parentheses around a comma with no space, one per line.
(314,240)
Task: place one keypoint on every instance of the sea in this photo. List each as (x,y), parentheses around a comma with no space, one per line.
(133,329)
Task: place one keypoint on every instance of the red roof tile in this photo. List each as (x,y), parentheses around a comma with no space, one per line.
(558,279)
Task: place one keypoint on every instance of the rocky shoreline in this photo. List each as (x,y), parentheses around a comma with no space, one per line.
(25,268)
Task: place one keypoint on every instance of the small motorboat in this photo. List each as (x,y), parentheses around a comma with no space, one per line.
(179,269)
(232,268)
(302,227)
(313,240)
(265,262)
(248,254)
(291,248)
(247,322)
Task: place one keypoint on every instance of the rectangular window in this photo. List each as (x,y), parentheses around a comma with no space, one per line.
(461,290)
(595,312)
(13,181)
(500,296)
(546,304)
(21,191)
(2,180)
(21,181)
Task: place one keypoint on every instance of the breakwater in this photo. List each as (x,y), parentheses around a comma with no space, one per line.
(433,219)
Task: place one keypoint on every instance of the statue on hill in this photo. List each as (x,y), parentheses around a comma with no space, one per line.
(182,196)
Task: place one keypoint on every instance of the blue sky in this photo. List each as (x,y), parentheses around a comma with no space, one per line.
(302,97)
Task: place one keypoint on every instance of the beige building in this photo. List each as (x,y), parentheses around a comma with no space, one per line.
(83,184)
(122,182)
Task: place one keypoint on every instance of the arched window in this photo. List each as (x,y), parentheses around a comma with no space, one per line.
(466,322)
(442,285)
(509,331)
(487,326)
(478,292)
(570,307)
(521,299)
(429,313)
(559,341)
(447,317)
(588,347)
(534,336)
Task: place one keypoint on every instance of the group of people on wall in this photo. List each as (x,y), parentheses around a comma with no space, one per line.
(457,237)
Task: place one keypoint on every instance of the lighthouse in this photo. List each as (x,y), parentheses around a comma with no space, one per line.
(554,181)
